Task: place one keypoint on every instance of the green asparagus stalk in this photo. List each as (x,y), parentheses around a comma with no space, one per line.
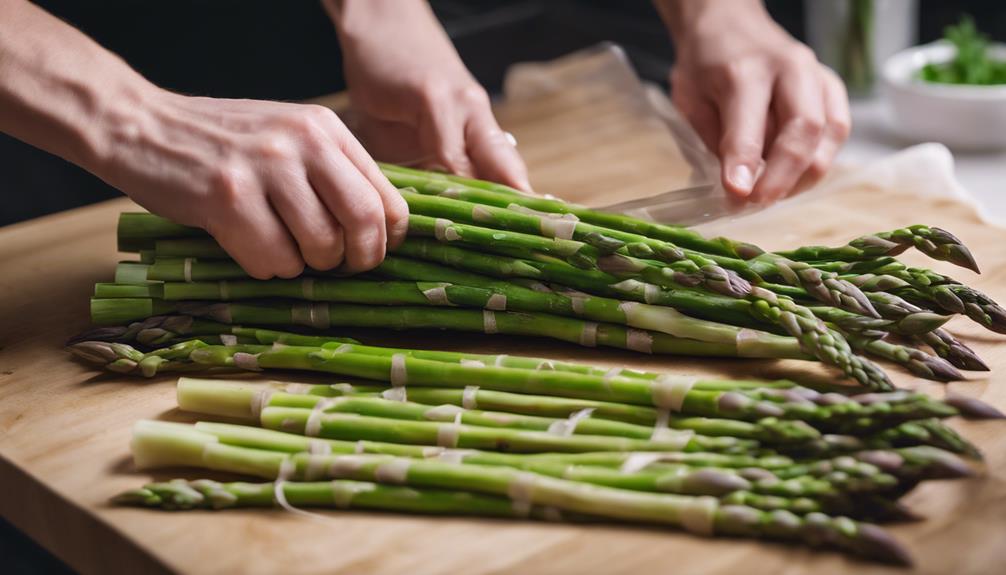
(822,285)
(858,415)
(343,494)
(934,242)
(323,315)
(669,392)
(766,307)
(235,400)
(492,295)
(700,514)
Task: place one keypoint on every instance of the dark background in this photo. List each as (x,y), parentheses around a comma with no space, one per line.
(288,51)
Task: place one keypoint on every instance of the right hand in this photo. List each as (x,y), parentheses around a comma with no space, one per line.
(278,185)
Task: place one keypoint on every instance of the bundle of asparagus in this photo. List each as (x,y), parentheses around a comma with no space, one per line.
(482,257)
(712,456)
(447,432)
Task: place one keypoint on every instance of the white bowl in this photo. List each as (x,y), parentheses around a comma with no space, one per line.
(960,116)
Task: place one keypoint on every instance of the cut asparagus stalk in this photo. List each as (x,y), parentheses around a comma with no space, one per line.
(700,514)
(236,399)
(859,415)
(459,435)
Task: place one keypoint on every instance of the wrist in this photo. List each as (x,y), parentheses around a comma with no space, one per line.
(361,19)
(119,116)
(690,21)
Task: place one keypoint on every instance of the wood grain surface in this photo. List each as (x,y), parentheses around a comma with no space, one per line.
(65,429)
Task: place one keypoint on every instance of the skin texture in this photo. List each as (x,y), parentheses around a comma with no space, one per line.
(417,103)
(281,185)
(758,98)
(278,185)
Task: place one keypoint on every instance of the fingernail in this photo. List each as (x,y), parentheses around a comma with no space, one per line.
(742,179)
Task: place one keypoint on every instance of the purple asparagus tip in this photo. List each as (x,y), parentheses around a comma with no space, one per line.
(876,542)
(958,253)
(973,408)
(102,334)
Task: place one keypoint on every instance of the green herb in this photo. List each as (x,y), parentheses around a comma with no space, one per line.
(971,64)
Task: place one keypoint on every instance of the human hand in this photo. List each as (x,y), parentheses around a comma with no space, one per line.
(278,185)
(759,99)
(417,103)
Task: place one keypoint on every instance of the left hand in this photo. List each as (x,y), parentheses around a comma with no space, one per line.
(759,99)
(417,103)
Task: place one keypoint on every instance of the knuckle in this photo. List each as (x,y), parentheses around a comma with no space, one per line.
(839,129)
(742,146)
(474,96)
(799,56)
(805,128)
(432,93)
(275,147)
(228,181)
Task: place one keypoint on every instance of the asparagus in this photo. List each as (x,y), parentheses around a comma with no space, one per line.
(152,329)
(851,471)
(766,308)
(934,242)
(700,514)
(953,350)
(343,494)
(677,393)
(915,360)
(234,399)
(668,392)
(678,235)
(728,341)
(824,286)
(861,415)
(492,295)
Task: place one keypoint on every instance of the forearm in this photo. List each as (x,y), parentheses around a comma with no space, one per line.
(686,17)
(59,90)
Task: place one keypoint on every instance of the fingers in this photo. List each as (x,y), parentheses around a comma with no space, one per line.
(316,231)
(494,156)
(252,234)
(442,132)
(798,102)
(743,110)
(396,211)
(357,205)
(699,112)
(836,131)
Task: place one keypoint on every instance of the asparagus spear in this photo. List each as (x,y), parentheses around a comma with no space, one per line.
(234,399)
(179,326)
(824,286)
(953,350)
(322,315)
(859,415)
(492,295)
(343,494)
(934,242)
(701,514)
(766,307)
(669,392)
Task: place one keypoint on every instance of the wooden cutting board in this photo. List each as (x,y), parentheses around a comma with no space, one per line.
(64,428)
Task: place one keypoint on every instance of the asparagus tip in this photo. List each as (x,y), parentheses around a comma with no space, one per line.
(110,333)
(98,352)
(878,543)
(973,408)
(922,322)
